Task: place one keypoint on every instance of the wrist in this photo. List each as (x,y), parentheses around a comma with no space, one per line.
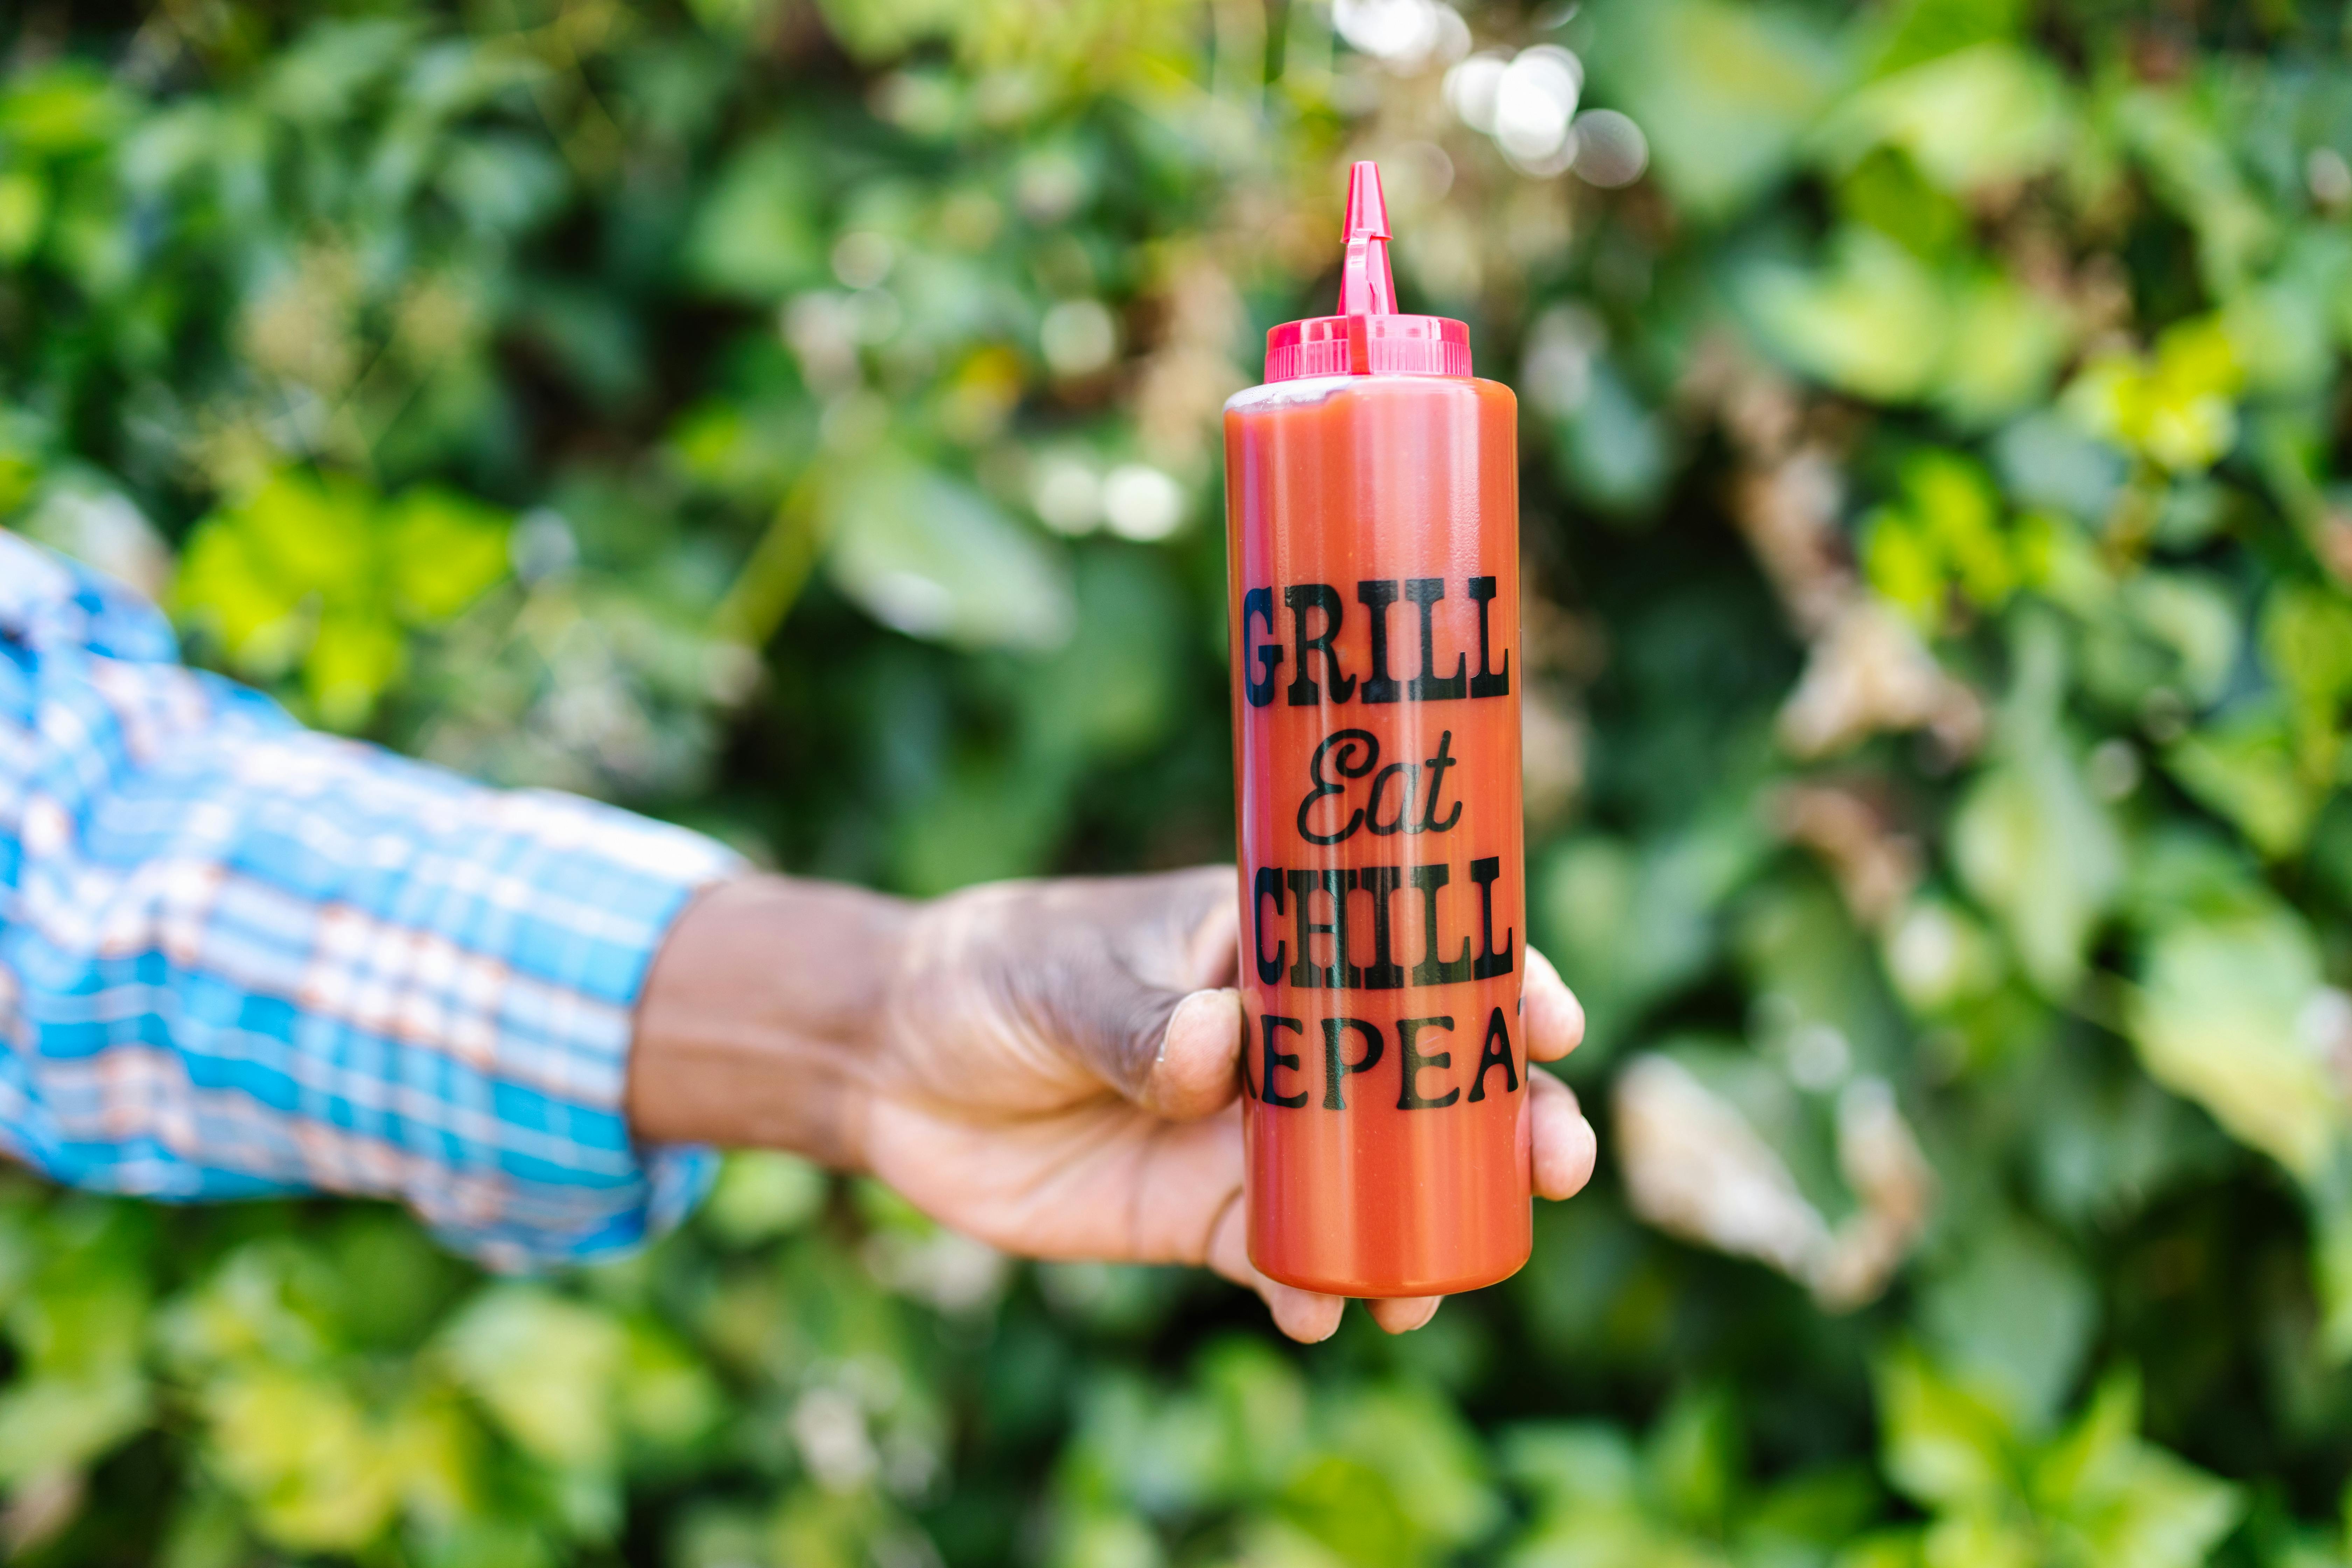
(760,1019)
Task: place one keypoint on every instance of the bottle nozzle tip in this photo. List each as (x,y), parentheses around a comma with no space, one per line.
(1365,286)
(1367,210)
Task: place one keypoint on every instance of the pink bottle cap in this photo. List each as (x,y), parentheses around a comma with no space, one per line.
(1367,337)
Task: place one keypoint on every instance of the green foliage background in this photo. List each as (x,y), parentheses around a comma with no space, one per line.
(799,420)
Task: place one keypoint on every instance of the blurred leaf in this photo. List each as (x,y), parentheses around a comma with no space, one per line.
(1108,691)
(1904,33)
(761,1194)
(666,1395)
(2006,345)
(2032,844)
(1267,1409)
(353,656)
(1613,450)
(58,107)
(2218,1019)
(24,205)
(2246,769)
(1976,117)
(756,235)
(48,1421)
(2177,408)
(1354,1510)
(1627,925)
(1432,1465)
(2014,1318)
(316,1470)
(445,550)
(1694,1458)
(935,559)
(2173,134)
(878,29)
(2307,642)
(548,1368)
(1874,321)
(1945,535)
(2044,461)
(1945,1447)
(1724,91)
(2122,1500)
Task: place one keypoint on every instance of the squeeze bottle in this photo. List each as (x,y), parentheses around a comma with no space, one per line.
(1372,514)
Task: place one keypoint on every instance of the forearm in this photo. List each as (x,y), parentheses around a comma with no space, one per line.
(757,1026)
(237,958)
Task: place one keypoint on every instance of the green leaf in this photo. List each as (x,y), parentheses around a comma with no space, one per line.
(2306,643)
(667,1396)
(757,236)
(1123,1540)
(445,549)
(1873,320)
(1982,116)
(1611,449)
(2172,132)
(878,29)
(327,72)
(1430,1461)
(2176,407)
(225,587)
(1572,1467)
(24,206)
(2122,1503)
(2005,347)
(1975,1540)
(2041,856)
(2219,1019)
(934,558)
(1694,1458)
(1266,1408)
(1724,91)
(1911,31)
(761,1194)
(2281,328)
(1904,1549)
(2246,770)
(1942,1444)
(47,1422)
(1108,691)
(353,656)
(547,1367)
(312,535)
(1628,924)
(2014,1320)
(68,106)
(2331,1258)
(314,1468)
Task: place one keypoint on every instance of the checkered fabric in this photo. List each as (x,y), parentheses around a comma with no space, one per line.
(237,958)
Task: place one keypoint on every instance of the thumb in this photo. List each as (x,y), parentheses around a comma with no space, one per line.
(1194,1072)
(1148,1001)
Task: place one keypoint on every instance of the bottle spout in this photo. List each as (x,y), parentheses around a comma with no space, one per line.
(1367,337)
(1366,285)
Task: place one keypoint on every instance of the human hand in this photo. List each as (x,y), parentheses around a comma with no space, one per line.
(1049,1065)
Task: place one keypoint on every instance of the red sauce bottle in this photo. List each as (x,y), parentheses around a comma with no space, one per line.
(1371,508)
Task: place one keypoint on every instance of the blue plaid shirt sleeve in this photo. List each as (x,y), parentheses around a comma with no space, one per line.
(238,958)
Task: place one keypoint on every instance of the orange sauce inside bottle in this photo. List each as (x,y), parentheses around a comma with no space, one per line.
(1372,528)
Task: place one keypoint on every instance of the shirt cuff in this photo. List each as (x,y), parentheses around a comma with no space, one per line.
(572,1184)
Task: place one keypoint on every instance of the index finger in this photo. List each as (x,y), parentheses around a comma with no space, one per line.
(1555,1018)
